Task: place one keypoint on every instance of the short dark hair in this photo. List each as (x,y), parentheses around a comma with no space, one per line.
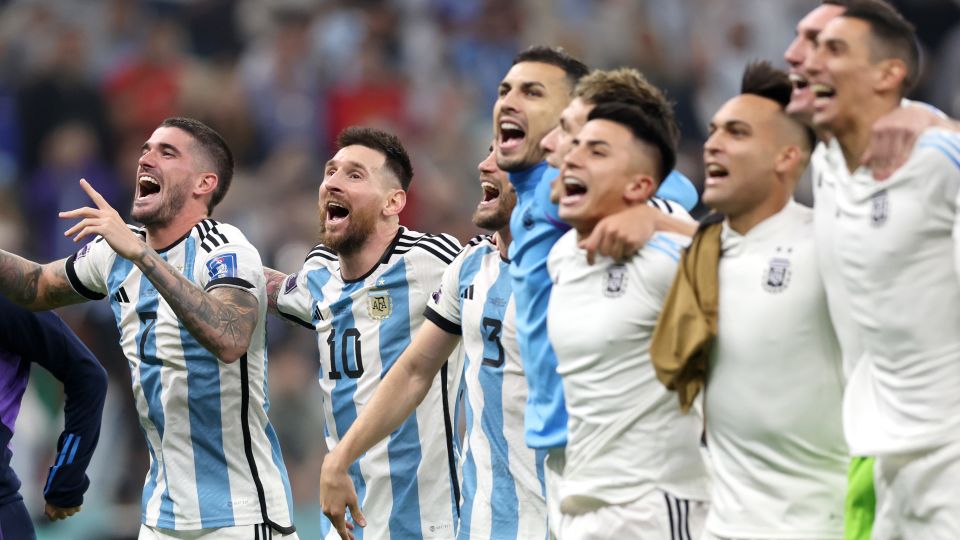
(216,150)
(761,79)
(396,158)
(628,86)
(555,56)
(649,128)
(841,3)
(896,37)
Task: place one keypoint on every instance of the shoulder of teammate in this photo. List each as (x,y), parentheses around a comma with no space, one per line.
(88,268)
(677,188)
(671,208)
(564,250)
(937,148)
(295,301)
(225,258)
(427,255)
(443,304)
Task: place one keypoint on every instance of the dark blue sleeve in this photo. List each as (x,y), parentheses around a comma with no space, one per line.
(44,339)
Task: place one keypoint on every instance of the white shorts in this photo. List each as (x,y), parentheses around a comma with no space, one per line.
(259,531)
(917,495)
(657,516)
(552,478)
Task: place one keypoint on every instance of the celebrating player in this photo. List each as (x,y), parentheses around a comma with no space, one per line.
(779,462)
(364,289)
(900,404)
(189,298)
(633,466)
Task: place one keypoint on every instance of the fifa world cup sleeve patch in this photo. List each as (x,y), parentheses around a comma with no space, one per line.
(222,266)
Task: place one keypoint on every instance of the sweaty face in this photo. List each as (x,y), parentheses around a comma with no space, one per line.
(556,144)
(353,194)
(841,73)
(166,171)
(802,46)
(603,162)
(499,196)
(740,155)
(530,99)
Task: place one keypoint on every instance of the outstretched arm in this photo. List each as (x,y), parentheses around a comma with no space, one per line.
(622,234)
(396,398)
(34,286)
(222,319)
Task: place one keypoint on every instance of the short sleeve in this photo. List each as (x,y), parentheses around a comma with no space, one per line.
(235,263)
(443,304)
(88,268)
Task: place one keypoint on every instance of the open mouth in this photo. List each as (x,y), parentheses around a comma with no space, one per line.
(490,193)
(511,135)
(716,173)
(336,212)
(799,81)
(823,91)
(146,186)
(573,190)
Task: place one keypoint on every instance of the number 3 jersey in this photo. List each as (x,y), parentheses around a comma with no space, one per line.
(404,483)
(214,457)
(502,488)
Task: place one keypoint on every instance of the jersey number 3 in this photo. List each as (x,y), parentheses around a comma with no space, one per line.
(495,327)
(350,334)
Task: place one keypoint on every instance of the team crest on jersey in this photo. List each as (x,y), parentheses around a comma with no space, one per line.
(880,208)
(379,304)
(777,276)
(221,266)
(615,282)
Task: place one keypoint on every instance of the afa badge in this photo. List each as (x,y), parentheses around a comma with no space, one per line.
(222,266)
(379,304)
(879,208)
(615,282)
(777,275)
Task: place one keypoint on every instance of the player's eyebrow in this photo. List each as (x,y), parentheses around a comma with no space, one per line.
(345,163)
(162,145)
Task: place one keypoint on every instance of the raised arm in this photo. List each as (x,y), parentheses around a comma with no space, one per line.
(621,235)
(893,136)
(222,319)
(34,286)
(396,398)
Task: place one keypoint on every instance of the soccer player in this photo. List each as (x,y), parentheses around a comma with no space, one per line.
(894,256)
(779,460)
(364,289)
(189,298)
(633,465)
(502,478)
(42,338)
(530,100)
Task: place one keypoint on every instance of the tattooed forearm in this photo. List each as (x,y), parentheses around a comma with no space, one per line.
(275,281)
(34,286)
(222,320)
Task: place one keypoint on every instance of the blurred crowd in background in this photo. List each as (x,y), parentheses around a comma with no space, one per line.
(84,82)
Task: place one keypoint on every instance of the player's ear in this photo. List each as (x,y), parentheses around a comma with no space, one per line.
(396,200)
(788,159)
(206,184)
(640,188)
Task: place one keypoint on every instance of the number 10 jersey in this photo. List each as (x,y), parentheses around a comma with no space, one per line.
(404,483)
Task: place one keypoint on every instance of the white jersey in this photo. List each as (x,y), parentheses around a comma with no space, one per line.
(627,436)
(898,261)
(502,478)
(214,457)
(404,483)
(774,389)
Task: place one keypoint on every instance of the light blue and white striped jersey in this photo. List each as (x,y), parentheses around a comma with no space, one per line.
(405,483)
(214,457)
(502,491)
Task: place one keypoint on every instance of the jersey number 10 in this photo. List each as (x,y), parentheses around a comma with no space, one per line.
(348,334)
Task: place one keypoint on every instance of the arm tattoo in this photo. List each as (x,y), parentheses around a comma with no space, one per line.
(34,286)
(222,320)
(275,281)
